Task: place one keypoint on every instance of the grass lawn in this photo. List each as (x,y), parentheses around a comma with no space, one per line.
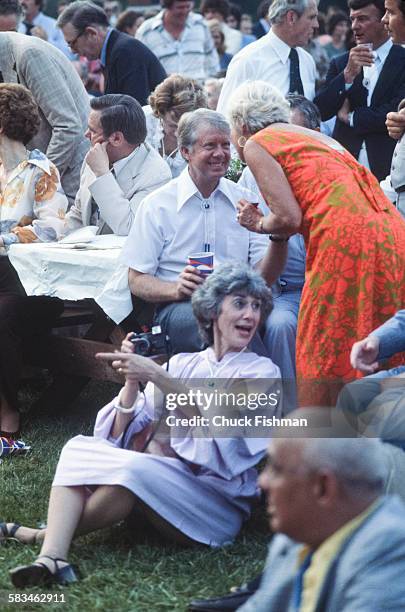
(121,569)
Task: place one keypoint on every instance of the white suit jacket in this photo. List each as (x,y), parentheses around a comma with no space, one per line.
(118,197)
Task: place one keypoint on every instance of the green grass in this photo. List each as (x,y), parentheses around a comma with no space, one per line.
(122,570)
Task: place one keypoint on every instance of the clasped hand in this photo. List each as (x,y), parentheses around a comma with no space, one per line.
(249,216)
(395,123)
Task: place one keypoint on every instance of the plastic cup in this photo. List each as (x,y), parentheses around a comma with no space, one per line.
(203,262)
(368,46)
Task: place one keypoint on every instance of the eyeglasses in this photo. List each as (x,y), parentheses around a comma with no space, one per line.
(72,43)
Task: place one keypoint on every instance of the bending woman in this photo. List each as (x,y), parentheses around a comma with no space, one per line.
(100,480)
(355,239)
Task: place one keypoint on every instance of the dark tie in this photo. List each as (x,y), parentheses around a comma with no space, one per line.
(299,581)
(295,77)
(28,27)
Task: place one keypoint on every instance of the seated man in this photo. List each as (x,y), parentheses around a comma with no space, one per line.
(119,170)
(339,541)
(194,212)
(382,343)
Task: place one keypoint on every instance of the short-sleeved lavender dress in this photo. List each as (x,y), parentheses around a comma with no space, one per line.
(207,488)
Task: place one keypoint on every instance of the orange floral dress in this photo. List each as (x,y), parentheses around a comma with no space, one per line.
(355,272)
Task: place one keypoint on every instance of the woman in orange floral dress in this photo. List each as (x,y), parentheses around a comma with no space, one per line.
(355,239)
(32,209)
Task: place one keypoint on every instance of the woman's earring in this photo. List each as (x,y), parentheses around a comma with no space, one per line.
(241,141)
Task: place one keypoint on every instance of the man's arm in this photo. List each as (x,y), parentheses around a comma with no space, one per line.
(135,72)
(391,335)
(152,289)
(118,211)
(339,80)
(382,343)
(211,61)
(331,96)
(273,262)
(372,119)
(53,95)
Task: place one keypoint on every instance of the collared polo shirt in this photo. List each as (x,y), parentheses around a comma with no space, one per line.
(192,55)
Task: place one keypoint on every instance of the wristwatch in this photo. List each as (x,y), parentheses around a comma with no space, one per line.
(275,238)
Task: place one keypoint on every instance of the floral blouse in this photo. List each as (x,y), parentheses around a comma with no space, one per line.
(32,203)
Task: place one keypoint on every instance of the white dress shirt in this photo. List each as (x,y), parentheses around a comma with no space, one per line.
(267,59)
(54,34)
(371,76)
(175,221)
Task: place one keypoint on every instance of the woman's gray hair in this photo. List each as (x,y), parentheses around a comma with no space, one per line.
(227,279)
(192,123)
(358,463)
(279,9)
(309,111)
(256,105)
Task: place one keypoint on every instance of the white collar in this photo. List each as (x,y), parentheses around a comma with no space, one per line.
(383,50)
(186,189)
(280,47)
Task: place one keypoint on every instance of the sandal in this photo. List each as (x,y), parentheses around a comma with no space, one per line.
(39,574)
(9,446)
(8,533)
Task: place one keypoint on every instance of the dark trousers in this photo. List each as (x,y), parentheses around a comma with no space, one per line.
(22,318)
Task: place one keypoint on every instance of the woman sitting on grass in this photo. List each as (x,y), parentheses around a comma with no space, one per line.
(194,487)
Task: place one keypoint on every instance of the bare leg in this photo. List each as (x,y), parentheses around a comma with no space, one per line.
(71,512)
(9,418)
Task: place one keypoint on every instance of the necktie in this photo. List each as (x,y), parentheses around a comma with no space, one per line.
(299,581)
(28,28)
(295,77)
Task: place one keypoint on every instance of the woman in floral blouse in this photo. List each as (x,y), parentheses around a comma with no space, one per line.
(32,209)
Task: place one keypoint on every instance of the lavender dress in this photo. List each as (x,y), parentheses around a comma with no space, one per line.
(206,489)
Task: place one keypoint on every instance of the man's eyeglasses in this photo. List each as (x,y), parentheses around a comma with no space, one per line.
(71,43)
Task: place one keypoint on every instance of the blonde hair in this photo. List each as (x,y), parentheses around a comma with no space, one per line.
(177,94)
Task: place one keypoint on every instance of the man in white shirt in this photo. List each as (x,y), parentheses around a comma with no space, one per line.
(277,57)
(362,86)
(195,212)
(181,40)
(35,18)
(119,170)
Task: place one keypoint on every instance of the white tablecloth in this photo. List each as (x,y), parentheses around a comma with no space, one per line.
(75,272)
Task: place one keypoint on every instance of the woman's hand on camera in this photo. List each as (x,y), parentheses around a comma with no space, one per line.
(127,346)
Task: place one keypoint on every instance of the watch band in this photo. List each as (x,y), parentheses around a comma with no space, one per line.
(275,238)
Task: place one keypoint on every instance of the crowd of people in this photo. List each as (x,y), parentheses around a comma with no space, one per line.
(275,150)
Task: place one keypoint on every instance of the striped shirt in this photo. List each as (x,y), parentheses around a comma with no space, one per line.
(192,55)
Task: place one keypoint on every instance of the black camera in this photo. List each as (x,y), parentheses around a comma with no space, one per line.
(151,343)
